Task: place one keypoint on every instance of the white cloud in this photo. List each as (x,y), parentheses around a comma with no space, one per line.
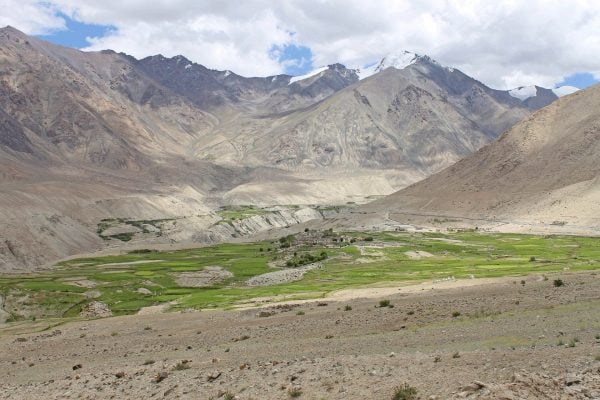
(506,43)
(33,17)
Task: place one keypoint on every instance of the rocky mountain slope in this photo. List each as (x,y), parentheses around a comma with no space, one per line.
(100,135)
(543,170)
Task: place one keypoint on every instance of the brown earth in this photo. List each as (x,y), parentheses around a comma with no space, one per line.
(543,174)
(497,340)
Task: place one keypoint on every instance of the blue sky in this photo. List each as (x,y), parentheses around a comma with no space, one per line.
(76,33)
(580,80)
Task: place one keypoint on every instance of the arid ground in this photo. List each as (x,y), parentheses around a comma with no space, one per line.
(508,338)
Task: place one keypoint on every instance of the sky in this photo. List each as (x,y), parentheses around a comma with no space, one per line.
(503,43)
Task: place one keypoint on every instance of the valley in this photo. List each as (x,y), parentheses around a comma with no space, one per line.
(229,276)
(394,230)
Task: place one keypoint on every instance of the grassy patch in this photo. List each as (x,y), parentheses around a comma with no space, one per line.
(116,280)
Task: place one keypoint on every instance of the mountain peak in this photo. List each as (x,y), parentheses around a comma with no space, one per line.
(399,60)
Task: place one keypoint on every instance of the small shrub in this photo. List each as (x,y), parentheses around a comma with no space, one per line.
(597,337)
(572,343)
(369,239)
(532,259)
(558,283)
(300,313)
(456,355)
(294,392)
(384,303)
(347,307)
(404,392)
(114,334)
(411,312)
(228,396)
(149,362)
(456,314)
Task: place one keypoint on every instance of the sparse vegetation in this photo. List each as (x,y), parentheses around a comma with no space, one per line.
(347,307)
(404,392)
(384,303)
(294,392)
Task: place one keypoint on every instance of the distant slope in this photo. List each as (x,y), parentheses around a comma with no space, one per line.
(545,169)
(418,119)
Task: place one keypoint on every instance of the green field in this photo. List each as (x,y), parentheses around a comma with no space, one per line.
(236,213)
(353,259)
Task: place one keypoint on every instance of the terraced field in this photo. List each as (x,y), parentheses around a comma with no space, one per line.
(216,277)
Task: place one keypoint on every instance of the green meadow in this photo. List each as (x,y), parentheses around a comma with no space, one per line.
(354,259)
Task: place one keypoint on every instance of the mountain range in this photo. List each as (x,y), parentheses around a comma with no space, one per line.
(91,136)
(541,175)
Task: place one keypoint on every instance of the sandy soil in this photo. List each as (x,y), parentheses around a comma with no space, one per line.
(497,340)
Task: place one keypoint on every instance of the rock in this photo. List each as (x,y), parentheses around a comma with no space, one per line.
(213,376)
(572,379)
(120,374)
(144,291)
(76,367)
(161,376)
(95,309)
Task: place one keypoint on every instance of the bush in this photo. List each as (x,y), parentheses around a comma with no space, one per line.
(294,392)
(369,239)
(347,307)
(531,259)
(404,392)
(558,283)
(384,303)
(456,314)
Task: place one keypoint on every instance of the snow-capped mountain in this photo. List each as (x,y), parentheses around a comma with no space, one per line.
(399,60)
(525,92)
(564,90)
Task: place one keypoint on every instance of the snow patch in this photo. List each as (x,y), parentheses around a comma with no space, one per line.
(564,90)
(366,71)
(227,73)
(273,79)
(523,92)
(306,76)
(188,66)
(399,60)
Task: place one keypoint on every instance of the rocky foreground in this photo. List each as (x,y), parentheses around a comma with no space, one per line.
(512,339)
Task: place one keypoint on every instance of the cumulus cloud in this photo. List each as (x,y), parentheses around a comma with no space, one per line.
(506,43)
(33,17)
